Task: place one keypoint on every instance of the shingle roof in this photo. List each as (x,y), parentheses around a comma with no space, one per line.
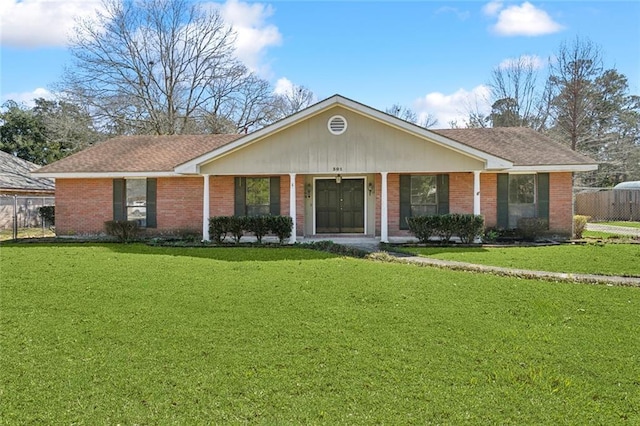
(139,154)
(520,145)
(15,176)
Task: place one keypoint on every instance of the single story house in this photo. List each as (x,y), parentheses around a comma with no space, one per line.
(338,167)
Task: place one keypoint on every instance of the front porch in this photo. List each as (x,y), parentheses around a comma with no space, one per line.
(330,206)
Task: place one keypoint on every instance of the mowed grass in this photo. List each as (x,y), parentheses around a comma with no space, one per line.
(622,223)
(129,334)
(604,259)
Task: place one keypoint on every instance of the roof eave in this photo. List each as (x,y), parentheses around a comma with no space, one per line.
(555,168)
(114,174)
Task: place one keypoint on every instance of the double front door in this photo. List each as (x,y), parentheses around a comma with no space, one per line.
(339,206)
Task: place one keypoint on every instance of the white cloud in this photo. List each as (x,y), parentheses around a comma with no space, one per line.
(254,35)
(536,62)
(41,23)
(523,20)
(492,8)
(453,107)
(27,98)
(283,86)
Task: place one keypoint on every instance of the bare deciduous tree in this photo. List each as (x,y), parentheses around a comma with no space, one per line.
(161,67)
(515,98)
(572,76)
(294,99)
(407,114)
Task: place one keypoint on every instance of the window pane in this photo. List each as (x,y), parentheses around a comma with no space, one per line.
(521,189)
(136,192)
(423,190)
(258,196)
(137,201)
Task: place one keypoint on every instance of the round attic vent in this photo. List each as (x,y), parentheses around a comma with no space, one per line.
(337,125)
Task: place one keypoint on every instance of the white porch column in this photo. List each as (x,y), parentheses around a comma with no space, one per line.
(384,219)
(476,192)
(292,205)
(205,210)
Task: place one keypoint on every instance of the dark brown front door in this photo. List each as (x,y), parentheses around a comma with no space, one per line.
(339,206)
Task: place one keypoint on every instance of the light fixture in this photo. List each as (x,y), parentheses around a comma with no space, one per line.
(308,191)
(338,179)
(370,188)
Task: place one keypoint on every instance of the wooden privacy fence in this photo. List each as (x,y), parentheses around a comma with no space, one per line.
(615,204)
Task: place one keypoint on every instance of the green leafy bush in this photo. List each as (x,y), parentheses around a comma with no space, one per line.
(579,225)
(281,226)
(219,227)
(467,227)
(423,227)
(48,214)
(123,230)
(259,226)
(531,228)
(237,226)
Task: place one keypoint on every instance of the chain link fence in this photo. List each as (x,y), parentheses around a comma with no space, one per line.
(609,205)
(20,218)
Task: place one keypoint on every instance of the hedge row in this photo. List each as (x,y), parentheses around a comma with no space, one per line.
(236,226)
(467,227)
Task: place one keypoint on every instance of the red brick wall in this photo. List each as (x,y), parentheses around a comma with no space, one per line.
(222,195)
(179,204)
(489,198)
(561,203)
(83,206)
(461,193)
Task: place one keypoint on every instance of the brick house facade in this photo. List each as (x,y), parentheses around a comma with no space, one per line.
(338,167)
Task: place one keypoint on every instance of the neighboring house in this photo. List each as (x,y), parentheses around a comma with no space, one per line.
(21,193)
(337,167)
(16,178)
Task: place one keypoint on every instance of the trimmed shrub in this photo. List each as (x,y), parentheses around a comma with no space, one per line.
(281,226)
(219,227)
(237,227)
(423,227)
(579,225)
(466,226)
(447,227)
(531,228)
(123,230)
(48,214)
(469,227)
(258,225)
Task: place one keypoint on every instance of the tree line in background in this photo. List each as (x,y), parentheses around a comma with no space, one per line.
(169,67)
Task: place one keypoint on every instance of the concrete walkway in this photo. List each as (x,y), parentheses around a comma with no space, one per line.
(620,230)
(520,273)
(372,245)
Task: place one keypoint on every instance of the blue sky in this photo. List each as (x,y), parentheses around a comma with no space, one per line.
(434,57)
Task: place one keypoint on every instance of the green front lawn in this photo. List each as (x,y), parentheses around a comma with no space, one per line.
(605,259)
(619,223)
(129,334)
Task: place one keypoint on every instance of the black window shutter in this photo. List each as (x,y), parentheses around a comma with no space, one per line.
(405,200)
(274,196)
(543,196)
(503,200)
(119,206)
(151,203)
(442,186)
(240,204)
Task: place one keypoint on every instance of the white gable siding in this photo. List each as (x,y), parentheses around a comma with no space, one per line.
(367,146)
